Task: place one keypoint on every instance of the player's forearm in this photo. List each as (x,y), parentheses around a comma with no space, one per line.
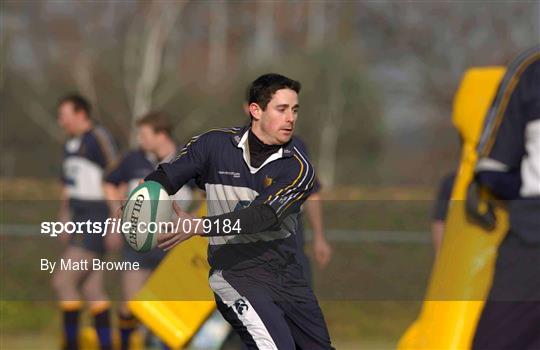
(113,196)
(253,219)
(314,214)
(161,177)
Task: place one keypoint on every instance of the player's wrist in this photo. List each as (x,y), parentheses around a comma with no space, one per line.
(318,236)
(198,229)
(189,226)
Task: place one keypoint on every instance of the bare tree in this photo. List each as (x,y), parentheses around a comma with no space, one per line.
(217,50)
(31,102)
(83,74)
(316,24)
(159,22)
(264,44)
(42,117)
(331,120)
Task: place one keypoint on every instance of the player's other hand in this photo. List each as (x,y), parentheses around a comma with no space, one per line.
(322,252)
(168,240)
(113,237)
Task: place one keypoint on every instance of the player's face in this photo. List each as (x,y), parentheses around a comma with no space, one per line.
(148,139)
(276,122)
(68,118)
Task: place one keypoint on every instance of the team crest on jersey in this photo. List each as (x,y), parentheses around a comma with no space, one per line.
(241,306)
(268,181)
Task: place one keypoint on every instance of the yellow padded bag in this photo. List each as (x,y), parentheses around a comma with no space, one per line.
(463,272)
(176,300)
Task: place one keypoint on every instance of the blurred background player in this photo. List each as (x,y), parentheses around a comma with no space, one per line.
(440,210)
(88,153)
(510,168)
(154,132)
(322,251)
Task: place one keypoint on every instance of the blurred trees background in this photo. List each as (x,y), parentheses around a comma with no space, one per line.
(378,77)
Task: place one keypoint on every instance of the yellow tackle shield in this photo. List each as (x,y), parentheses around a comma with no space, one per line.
(463,272)
(176,300)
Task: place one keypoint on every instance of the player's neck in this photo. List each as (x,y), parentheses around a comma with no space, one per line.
(165,149)
(255,143)
(258,151)
(262,136)
(86,126)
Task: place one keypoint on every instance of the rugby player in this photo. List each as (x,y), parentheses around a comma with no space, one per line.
(88,153)
(510,167)
(322,251)
(257,177)
(154,132)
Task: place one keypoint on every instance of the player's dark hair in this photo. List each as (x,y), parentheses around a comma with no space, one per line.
(261,89)
(158,121)
(79,103)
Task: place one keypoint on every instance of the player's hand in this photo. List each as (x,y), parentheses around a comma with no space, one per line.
(113,239)
(322,252)
(167,241)
(119,211)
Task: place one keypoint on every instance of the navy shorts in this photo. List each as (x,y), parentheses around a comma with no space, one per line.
(271,310)
(95,211)
(511,315)
(148,260)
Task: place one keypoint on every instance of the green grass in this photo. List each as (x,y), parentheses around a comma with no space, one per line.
(352,324)
(369,321)
(370,293)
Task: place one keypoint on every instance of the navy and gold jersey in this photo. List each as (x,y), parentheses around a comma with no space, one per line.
(133,167)
(511,143)
(86,159)
(136,165)
(303,148)
(219,161)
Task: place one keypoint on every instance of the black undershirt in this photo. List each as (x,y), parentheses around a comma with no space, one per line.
(258,151)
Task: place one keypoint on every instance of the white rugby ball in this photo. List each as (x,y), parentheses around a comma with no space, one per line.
(147,205)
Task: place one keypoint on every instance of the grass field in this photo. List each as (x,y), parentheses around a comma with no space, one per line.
(352,325)
(370,292)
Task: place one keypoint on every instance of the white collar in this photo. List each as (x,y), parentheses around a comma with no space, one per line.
(244,145)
